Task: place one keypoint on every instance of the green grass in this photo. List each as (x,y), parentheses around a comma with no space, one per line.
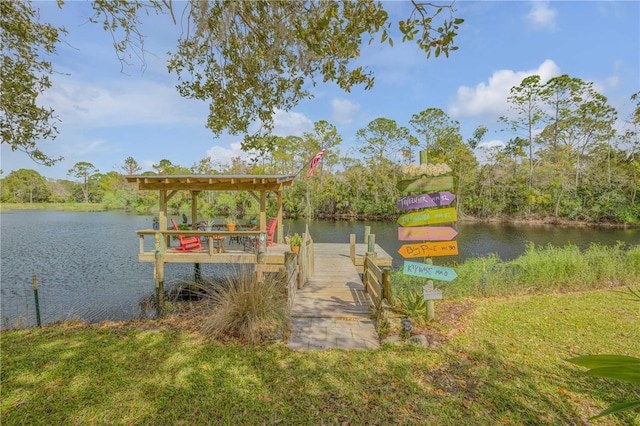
(507,366)
(68,207)
(540,270)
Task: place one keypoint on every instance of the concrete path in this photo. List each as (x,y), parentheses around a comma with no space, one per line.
(332,310)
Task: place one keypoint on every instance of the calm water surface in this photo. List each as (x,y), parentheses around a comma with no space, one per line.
(87,265)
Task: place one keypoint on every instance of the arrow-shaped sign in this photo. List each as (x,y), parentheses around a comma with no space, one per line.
(426,233)
(425,200)
(433,272)
(426,184)
(446,248)
(427,217)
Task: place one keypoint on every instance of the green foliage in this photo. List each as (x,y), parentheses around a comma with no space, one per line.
(539,270)
(411,302)
(617,367)
(245,307)
(295,240)
(24,186)
(254,58)
(25,76)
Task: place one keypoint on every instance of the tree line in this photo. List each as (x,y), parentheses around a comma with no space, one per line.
(565,159)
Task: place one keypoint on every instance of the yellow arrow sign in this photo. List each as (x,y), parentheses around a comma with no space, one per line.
(444,248)
(427,217)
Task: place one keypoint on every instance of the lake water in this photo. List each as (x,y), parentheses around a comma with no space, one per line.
(87,265)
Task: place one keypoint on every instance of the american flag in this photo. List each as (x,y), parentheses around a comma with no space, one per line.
(314,162)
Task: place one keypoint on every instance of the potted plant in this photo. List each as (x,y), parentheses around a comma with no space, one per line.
(295,241)
(231,223)
(208,225)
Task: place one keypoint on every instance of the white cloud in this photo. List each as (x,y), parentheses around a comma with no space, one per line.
(221,155)
(489,100)
(287,123)
(541,16)
(121,103)
(344,111)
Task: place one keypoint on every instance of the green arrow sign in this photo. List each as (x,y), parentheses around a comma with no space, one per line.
(425,270)
(427,217)
(426,184)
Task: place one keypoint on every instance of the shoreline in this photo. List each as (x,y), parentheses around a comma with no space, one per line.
(498,220)
(391,217)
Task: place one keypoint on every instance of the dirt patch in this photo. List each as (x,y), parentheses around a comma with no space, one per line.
(450,318)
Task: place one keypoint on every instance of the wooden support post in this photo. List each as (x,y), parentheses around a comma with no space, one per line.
(162,214)
(194,210)
(371,243)
(386,284)
(367,231)
(431,309)
(352,248)
(263,211)
(37,301)
(424,156)
(158,274)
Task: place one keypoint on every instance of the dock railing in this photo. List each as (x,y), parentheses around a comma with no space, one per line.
(376,280)
(299,268)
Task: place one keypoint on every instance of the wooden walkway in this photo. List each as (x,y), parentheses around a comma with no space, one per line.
(333,310)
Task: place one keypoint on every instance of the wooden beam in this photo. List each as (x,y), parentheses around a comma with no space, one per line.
(253,194)
(171,194)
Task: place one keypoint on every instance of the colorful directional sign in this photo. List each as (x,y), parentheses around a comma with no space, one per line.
(426,233)
(425,270)
(446,248)
(425,200)
(427,217)
(426,184)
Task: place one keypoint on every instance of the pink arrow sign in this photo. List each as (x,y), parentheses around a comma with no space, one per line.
(426,233)
(425,200)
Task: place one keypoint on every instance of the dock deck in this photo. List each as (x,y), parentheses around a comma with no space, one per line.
(332,309)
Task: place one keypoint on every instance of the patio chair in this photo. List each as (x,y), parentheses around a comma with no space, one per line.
(251,243)
(271,231)
(186,243)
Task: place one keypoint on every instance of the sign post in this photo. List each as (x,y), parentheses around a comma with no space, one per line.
(436,240)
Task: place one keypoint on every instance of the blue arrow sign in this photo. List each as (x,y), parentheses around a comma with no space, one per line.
(433,272)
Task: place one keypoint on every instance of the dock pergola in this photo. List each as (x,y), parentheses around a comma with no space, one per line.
(257,185)
(168,186)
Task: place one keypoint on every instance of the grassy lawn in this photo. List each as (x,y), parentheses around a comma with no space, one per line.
(505,366)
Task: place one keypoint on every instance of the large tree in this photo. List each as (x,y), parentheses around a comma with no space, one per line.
(83,171)
(25,75)
(247,59)
(24,186)
(526,102)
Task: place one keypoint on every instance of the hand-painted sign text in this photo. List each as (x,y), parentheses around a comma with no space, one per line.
(425,200)
(428,217)
(433,272)
(446,248)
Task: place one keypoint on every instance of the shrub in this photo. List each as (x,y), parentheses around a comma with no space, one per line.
(245,307)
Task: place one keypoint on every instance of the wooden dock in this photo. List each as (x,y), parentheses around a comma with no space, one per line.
(332,309)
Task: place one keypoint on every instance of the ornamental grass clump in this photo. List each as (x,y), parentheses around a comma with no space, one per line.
(245,308)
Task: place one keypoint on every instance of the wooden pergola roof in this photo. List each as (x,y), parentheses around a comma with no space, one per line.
(212,182)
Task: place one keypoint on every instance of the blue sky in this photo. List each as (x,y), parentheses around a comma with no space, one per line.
(109,113)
